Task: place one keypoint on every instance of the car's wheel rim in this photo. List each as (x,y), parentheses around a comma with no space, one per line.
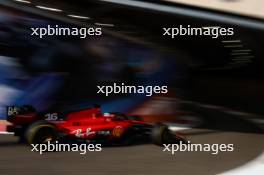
(45,135)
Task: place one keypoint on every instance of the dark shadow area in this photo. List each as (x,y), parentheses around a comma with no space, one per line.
(222,121)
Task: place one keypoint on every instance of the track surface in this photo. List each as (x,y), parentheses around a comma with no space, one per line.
(144,159)
(138,159)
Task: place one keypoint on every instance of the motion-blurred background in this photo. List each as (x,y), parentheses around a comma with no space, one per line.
(214,84)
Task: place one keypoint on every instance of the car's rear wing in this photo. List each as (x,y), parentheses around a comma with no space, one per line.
(12,111)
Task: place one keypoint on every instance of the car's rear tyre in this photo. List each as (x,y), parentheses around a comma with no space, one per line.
(41,132)
(161,135)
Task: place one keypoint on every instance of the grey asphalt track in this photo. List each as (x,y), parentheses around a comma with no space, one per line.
(138,159)
(144,159)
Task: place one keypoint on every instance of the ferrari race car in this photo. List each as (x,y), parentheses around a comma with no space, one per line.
(88,124)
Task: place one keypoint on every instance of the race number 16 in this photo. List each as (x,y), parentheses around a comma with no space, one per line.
(51,116)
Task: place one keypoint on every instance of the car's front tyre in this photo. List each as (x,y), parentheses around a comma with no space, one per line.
(162,135)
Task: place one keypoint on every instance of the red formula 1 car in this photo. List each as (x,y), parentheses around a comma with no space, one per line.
(86,124)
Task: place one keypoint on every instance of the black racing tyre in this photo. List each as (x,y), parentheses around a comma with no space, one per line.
(161,135)
(41,132)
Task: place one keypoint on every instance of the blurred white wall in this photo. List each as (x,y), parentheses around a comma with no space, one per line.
(253,8)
